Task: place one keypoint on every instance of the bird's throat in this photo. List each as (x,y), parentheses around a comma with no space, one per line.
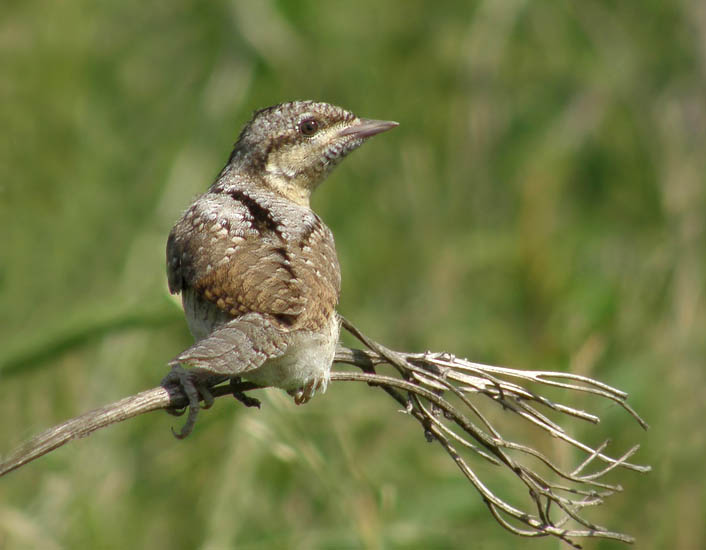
(295,187)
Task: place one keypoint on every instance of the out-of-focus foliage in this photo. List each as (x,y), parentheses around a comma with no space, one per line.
(541,205)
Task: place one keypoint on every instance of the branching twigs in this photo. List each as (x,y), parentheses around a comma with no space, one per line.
(437,389)
(449,424)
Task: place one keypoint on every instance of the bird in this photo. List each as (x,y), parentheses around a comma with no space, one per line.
(256,268)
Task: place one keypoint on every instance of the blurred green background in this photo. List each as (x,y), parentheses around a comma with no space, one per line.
(540,206)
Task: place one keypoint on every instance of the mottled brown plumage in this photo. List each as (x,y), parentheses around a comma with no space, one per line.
(260,254)
(256,267)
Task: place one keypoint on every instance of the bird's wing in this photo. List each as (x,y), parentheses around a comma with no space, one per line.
(266,256)
(236,347)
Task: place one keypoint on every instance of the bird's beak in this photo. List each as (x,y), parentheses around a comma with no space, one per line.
(367,127)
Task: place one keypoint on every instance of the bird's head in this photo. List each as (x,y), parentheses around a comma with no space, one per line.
(292,147)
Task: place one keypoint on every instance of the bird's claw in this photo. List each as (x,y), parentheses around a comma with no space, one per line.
(195,388)
(240,395)
(305,393)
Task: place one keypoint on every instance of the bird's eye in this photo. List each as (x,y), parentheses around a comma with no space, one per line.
(308,126)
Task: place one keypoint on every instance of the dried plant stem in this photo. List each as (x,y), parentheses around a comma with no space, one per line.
(437,390)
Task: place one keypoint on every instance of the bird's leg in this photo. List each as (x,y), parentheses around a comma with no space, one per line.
(239,394)
(195,385)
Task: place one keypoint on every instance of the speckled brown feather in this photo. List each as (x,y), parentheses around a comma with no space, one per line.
(247,251)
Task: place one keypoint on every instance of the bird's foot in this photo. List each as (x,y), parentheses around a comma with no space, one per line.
(196,386)
(306,392)
(240,395)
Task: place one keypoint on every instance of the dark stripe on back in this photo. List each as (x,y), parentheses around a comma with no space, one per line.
(262,217)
